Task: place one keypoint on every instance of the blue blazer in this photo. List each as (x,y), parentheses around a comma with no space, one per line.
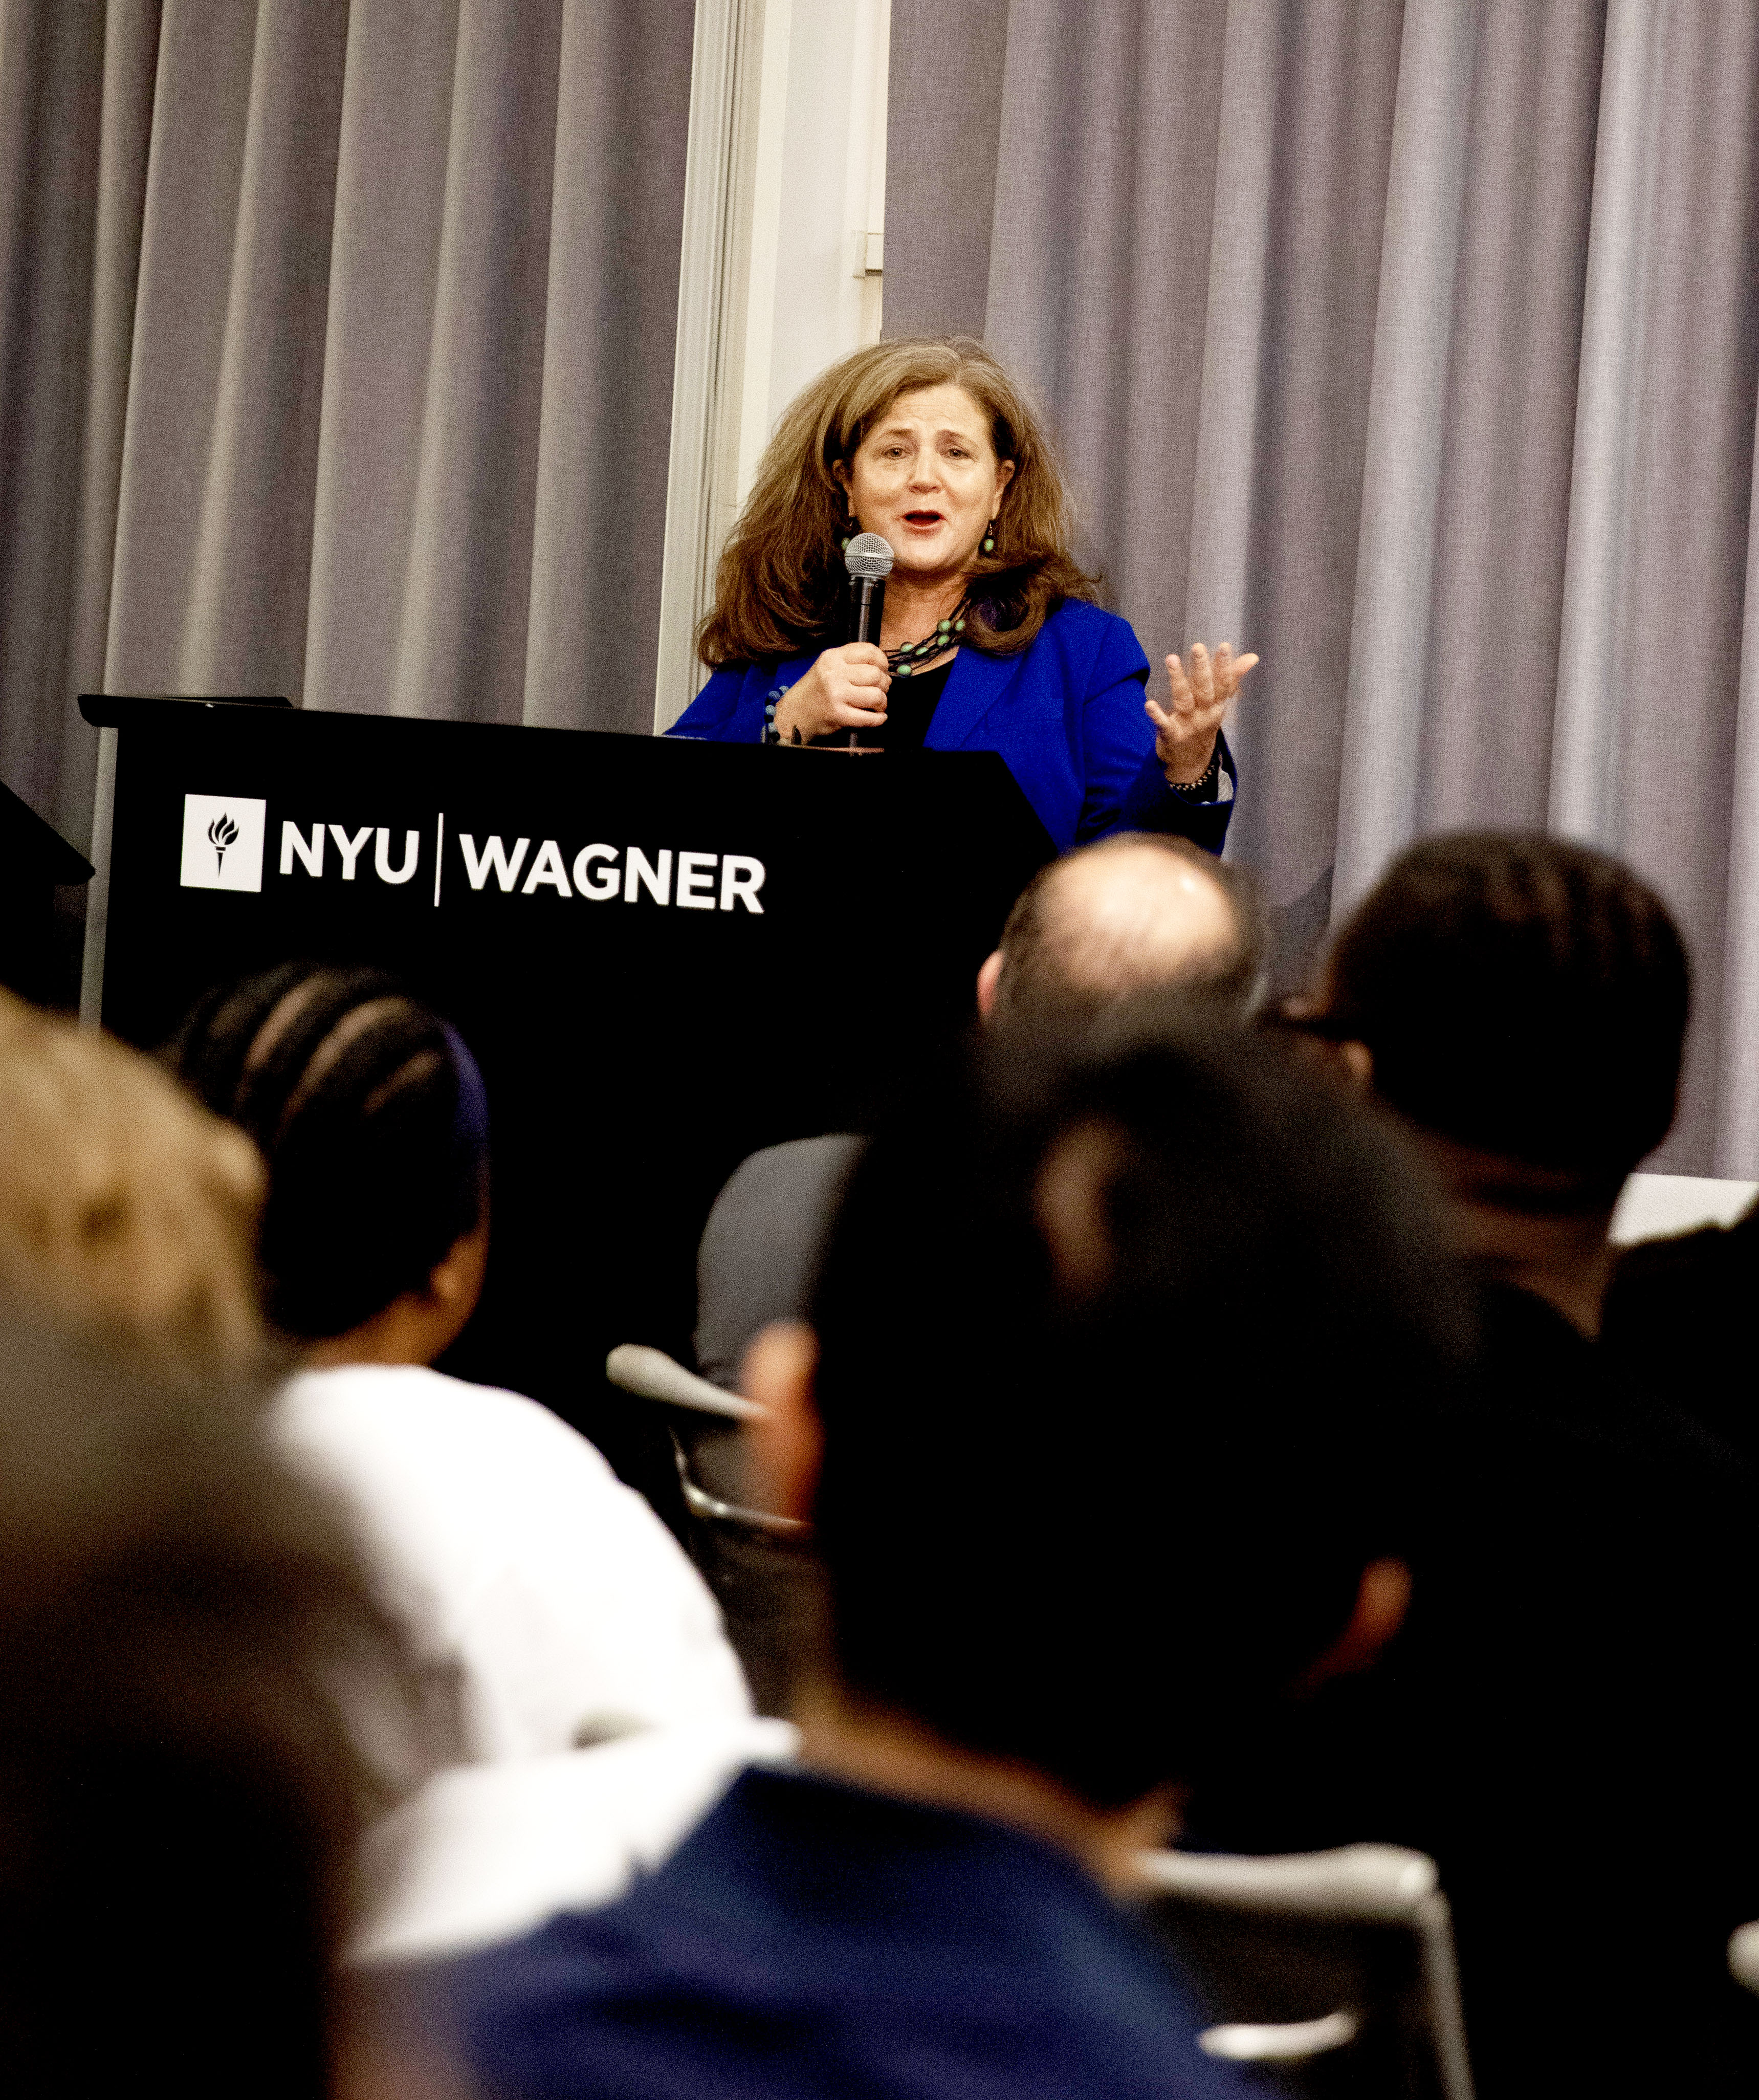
(1066,714)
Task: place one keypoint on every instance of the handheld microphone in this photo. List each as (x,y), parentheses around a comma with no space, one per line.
(868,559)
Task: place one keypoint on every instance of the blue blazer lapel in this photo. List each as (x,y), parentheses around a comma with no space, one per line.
(973,686)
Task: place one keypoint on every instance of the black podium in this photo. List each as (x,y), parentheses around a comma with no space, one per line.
(664,955)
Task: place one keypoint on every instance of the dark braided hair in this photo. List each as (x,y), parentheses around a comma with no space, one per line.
(1521,994)
(368,1110)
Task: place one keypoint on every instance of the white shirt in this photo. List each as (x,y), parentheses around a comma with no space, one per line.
(546,1598)
(486,1852)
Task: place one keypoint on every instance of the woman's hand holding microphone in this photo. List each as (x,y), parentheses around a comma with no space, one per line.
(845,689)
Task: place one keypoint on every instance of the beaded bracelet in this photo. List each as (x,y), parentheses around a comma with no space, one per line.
(772,734)
(1201,789)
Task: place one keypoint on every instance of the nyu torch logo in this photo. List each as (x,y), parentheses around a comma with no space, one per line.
(222,833)
(223,842)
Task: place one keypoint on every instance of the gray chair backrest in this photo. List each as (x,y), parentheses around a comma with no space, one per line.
(1333,1973)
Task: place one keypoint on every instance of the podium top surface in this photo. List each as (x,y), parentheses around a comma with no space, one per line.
(504,764)
(31,847)
(123,710)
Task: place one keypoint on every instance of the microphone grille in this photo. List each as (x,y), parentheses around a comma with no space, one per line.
(867,555)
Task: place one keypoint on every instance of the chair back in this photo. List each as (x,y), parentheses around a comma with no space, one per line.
(1331,1973)
(759,1565)
(699,1416)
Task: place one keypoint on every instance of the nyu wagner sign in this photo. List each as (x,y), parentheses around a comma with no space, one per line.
(221,828)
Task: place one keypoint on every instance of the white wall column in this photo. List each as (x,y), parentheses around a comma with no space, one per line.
(780,272)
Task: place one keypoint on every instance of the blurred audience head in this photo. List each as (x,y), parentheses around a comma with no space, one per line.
(371,1115)
(1117,1356)
(1525,1000)
(126,1212)
(1133,913)
(189,1655)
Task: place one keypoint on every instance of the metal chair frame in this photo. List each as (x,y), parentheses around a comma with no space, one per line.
(1356,1885)
(651,1375)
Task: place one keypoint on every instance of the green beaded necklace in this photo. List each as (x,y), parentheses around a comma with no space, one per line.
(905,662)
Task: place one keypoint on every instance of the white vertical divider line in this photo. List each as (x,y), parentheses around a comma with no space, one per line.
(439,854)
(864,172)
(712,283)
(1377,801)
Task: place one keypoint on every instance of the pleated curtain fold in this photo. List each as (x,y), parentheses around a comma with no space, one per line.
(336,348)
(1415,346)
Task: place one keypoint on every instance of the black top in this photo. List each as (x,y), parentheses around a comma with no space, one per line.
(911,706)
(812,1940)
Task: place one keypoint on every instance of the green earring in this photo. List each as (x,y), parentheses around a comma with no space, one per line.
(989,538)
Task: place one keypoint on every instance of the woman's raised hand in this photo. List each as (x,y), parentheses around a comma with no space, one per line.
(1184,733)
(845,689)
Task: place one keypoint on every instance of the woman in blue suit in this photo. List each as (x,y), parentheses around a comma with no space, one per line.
(990,640)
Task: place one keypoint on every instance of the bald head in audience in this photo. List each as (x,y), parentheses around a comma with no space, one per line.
(1135,912)
(1131,913)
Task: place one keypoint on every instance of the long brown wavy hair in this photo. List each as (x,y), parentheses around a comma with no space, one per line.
(780,586)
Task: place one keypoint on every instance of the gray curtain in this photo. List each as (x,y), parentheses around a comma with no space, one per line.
(335,346)
(1414,345)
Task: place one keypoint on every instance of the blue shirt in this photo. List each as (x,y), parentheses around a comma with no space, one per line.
(1065,713)
(812,1942)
